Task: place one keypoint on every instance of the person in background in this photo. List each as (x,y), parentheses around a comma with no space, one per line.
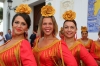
(61,33)
(76,47)
(2,39)
(8,36)
(32,37)
(17,51)
(95,49)
(48,49)
(85,40)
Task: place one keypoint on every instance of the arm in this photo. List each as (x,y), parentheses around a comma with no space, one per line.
(68,58)
(26,54)
(92,50)
(86,57)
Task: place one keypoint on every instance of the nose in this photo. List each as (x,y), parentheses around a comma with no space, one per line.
(69,29)
(19,25)
(47,25)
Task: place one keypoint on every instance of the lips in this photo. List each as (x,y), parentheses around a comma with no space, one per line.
(19,30)
(47,30)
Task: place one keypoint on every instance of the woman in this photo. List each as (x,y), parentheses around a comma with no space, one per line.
(17,51)
(85,40)
(76,48)
(95,49)
(48,50)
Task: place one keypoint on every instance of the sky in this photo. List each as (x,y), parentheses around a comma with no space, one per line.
(1,25)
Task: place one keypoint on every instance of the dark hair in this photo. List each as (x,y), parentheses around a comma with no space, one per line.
(25,17)
(99,33)
(71,21)
(55,29)
(8,29)
(84,31)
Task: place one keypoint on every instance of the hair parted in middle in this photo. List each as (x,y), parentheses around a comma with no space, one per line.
(47,11)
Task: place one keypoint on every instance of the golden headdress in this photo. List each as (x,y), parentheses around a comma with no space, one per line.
(23,8)
(47,10)
(83,28)
(69,15)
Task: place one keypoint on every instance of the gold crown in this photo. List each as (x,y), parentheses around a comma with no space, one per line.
(83,28)
(47,10)
(69,15)
(23,8)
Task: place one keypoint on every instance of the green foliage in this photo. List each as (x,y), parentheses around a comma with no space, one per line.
(1,13)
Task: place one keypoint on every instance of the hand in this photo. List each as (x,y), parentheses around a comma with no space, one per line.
(98,62)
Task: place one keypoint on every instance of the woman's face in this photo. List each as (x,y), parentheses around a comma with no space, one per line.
(19,26)
(69,29)
(84,34)
(47,26)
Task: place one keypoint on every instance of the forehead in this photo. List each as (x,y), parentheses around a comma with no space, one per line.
(84,32)
(69,23)
(20,18)
(47,20)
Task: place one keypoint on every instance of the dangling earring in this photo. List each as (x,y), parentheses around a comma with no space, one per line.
(75,37)
(12,34)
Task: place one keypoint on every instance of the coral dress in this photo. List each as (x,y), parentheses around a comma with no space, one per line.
(95,50)
(56,54)
(87,44)
(80,53)
(19,54)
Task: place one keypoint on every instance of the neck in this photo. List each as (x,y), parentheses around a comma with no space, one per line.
(84,38)
(70,40)
(48,37)
(18,37)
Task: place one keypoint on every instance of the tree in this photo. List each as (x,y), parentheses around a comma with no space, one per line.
(1,14)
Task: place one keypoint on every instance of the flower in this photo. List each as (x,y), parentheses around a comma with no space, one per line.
(47,10)
(83,28)
(23,8)
(69,15)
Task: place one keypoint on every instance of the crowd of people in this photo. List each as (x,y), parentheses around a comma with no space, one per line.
(45,49)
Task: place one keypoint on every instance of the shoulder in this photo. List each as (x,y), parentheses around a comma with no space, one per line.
(90,40)
(79,39)
(25,42)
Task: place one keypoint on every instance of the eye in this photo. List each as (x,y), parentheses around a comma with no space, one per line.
(44,23)
(66,27)
(72,27)
(16,22)
(50,23)
(23,24)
